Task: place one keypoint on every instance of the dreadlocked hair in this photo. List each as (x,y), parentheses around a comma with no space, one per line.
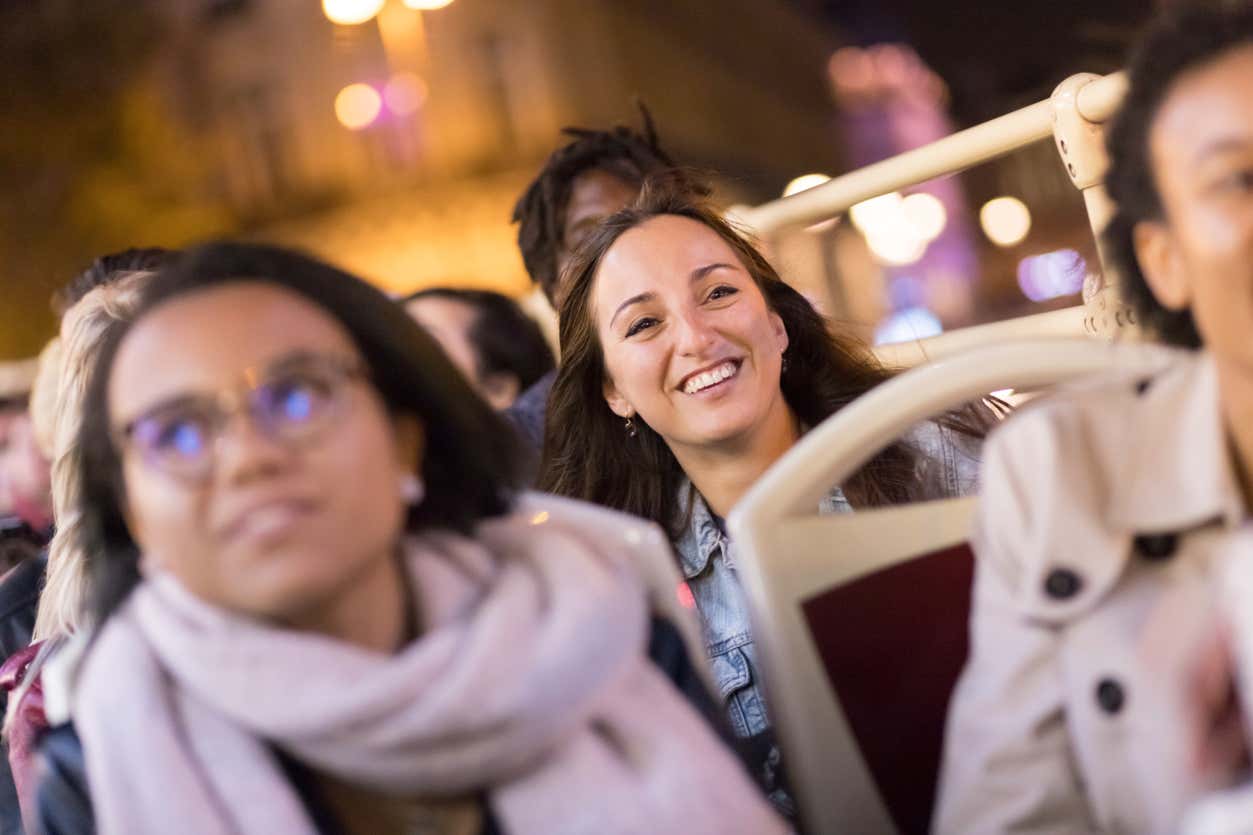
(540,211)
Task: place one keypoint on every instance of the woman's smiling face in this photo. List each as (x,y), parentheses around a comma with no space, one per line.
(690,344)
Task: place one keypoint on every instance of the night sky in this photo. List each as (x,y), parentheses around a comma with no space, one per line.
(996,56)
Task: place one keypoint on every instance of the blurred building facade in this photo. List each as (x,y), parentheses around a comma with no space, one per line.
(473,97)
(162,122)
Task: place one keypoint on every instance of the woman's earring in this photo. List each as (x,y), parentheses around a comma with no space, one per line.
(630,428)
(412,490)
(783,367)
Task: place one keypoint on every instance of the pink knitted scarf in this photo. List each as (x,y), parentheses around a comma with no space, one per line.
(529,685)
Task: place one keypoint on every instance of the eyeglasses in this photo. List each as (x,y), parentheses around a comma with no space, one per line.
(292,402)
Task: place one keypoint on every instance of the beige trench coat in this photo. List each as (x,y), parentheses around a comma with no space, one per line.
(1099,507)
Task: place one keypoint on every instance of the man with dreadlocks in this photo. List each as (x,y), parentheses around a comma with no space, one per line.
(581,184)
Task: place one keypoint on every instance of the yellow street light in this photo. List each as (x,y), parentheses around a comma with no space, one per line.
(1005,220)
(351,12)
(357,106)
(804,183)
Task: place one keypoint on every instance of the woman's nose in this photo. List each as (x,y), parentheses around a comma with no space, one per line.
(244,451)
(696,333)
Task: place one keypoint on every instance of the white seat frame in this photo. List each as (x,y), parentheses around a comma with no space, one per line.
(787,554)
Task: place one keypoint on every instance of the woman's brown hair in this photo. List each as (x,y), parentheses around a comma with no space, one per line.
(588,454)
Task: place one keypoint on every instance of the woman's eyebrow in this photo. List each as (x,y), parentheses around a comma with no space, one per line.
(183,400)
(295,357)
(179,399)
(696,275)
(1222,145)
(701,272)
(642,297)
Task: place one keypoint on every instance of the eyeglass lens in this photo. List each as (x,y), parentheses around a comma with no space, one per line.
(287,406)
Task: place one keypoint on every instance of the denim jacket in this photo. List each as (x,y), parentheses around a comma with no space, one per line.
(948,467)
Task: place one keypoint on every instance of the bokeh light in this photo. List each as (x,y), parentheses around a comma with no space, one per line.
(898,246)
(875,211)
(907,325)
(804,183)
(357,106)
(906,291)
(1005,220)
(404,93)
(1052,274)
(893,238)
(926,213)
(351,12)
(427,5)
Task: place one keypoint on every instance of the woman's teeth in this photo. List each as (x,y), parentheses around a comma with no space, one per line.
(709,378)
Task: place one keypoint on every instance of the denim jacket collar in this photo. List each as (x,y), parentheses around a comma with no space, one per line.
(701,536)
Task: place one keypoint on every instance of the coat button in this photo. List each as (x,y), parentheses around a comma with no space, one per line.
(1154,547)
(1110,695)
(1062,583)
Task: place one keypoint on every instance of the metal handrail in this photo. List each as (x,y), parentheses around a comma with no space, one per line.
(1069,321)
(1096,102)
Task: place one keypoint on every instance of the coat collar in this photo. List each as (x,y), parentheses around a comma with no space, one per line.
(1176,471)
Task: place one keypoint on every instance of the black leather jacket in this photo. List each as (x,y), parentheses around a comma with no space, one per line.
(19,598)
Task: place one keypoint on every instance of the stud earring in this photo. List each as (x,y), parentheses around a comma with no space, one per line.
(412,490)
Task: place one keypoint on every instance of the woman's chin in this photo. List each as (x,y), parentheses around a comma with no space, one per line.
(727,431)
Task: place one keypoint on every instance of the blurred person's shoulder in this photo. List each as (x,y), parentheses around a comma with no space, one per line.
(1149,384)
(1074,477)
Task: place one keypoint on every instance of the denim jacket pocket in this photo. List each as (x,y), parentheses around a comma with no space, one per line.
(737,683)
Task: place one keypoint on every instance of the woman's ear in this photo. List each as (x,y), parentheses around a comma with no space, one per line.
(1161,264)
(618,404)
(780,331)
(410,443)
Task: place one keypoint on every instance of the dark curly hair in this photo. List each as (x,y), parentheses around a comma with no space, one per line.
(540,211)
(1183,38)
(505,339)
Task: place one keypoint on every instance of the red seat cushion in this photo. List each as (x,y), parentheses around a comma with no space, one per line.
(893,644)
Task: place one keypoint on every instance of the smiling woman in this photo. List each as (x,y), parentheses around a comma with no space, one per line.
(688,368)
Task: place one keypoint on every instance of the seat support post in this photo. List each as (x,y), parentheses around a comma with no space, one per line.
(1079,134)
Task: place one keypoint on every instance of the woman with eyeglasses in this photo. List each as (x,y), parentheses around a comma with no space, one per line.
(321,608)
